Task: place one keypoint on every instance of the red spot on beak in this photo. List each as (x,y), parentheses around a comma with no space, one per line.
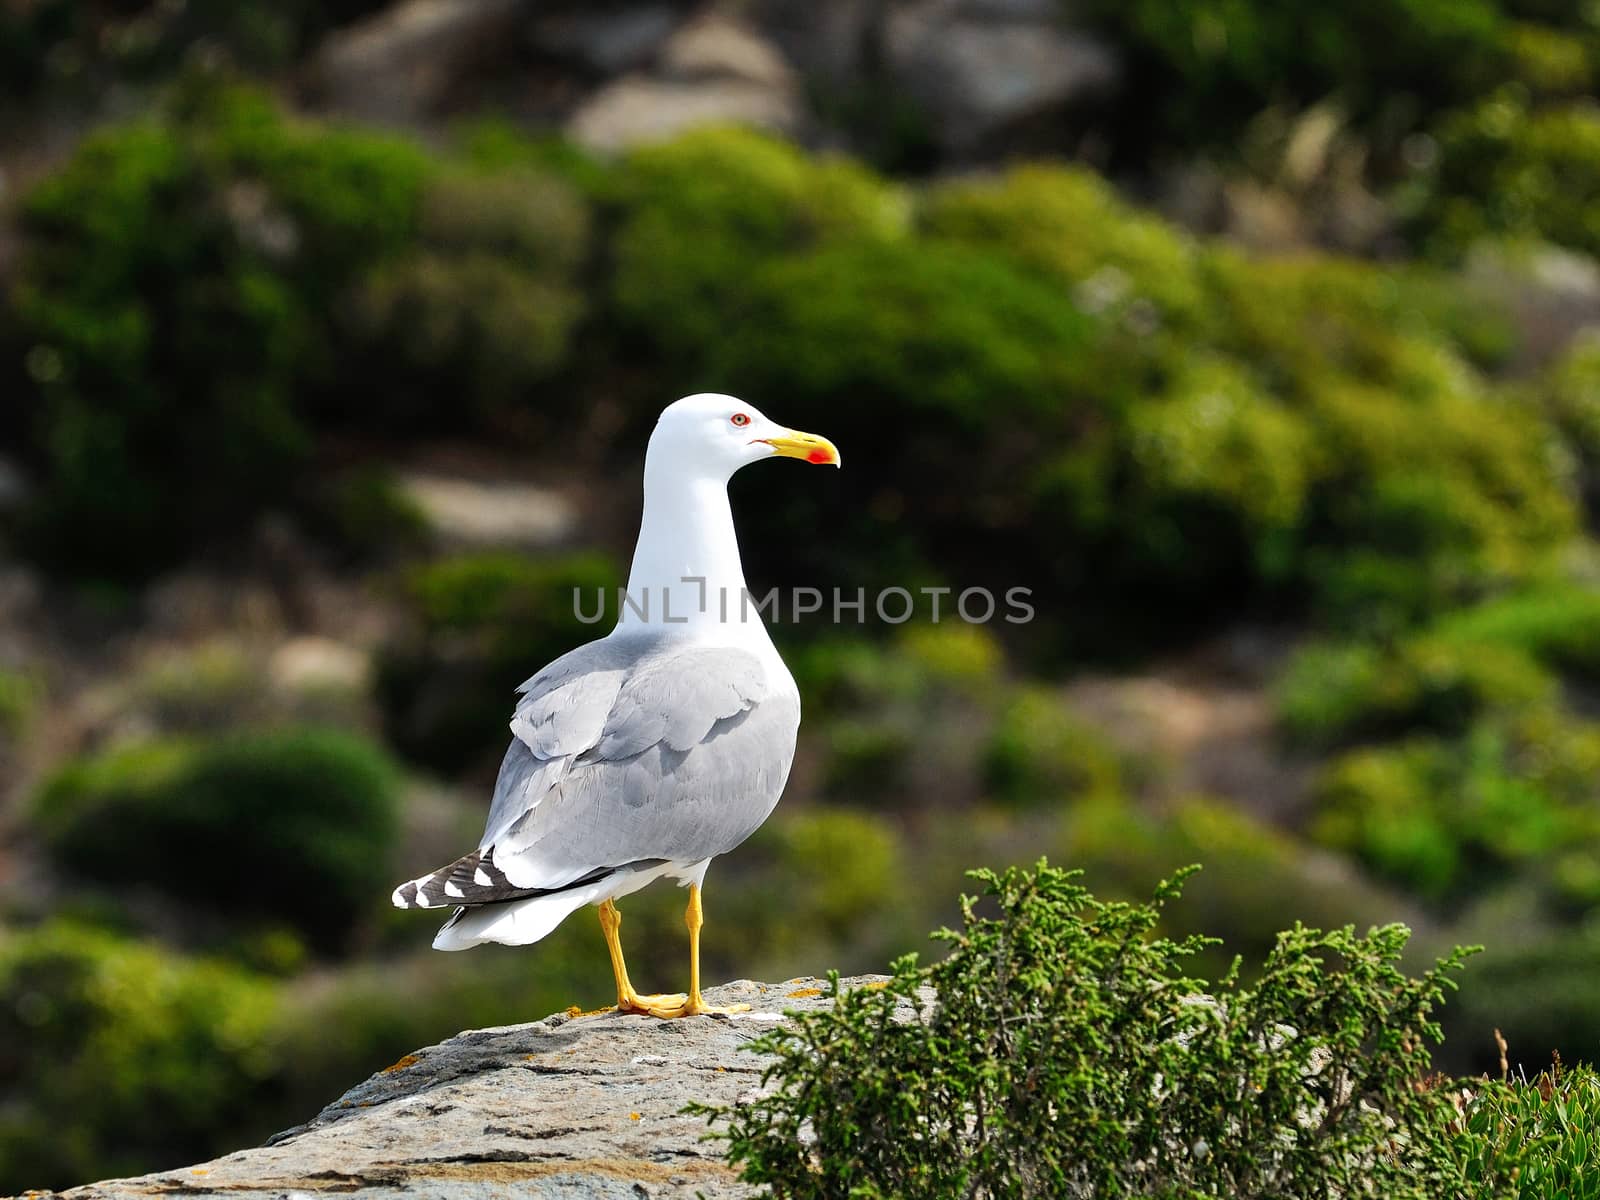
(819,456)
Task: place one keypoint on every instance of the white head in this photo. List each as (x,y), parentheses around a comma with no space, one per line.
(712,435)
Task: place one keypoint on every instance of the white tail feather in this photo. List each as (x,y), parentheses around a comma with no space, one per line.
(519,922)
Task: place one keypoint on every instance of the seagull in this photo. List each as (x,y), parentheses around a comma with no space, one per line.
(647,753)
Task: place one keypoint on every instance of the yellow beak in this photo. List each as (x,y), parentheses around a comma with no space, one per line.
(808,446)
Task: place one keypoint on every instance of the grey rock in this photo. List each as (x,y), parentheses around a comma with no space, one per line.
(981,69)
(830,39)
(1550,293)
(571,1106)
(714,70)
(13,486)
(401,63)
(719,47)
(471,512)
(608,42)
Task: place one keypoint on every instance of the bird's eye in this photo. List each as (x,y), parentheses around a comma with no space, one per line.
(740,419)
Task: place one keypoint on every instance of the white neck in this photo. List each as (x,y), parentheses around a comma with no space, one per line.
(685,537)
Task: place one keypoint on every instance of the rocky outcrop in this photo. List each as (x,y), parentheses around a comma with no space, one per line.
(983,70)
(572,1106)
(982,73)
(985,76)
(714,70)
(402,63)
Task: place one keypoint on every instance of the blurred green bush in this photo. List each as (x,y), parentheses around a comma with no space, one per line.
(205,291)
(903,721)
(1068,226)
(1256,877)
(1511,167)
(1556,625)
(698,217)
(1333,694)
(116,1056)
(483,308)
(78,50)
(814,878)
(1443,818)
(1265,432)
(1041,754)
(172,306)
(1199,73)
(483,623)
(295,825)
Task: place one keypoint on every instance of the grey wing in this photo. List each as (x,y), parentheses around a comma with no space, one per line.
(562,711)
(630,750)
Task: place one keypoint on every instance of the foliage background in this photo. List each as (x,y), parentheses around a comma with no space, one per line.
(1272,372)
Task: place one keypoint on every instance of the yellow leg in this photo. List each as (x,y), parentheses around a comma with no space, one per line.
(694,1004)
(628,1000)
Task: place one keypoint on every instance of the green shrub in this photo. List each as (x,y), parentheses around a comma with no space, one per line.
(922,663)
(172,297)
(484,307)
(1510,168)
(1535,1134)
(701,214)
(1557,625)
(1067,1052)
(117,1057)
(1443,817)
(1200,72)
(1040,753)
(1340,693)
(367,513)
(1424,488)
(1396,809)
(483,623)
(1068,225)
(930,332)
(815,880)
(70,49)
(1567,395)
(903,722)
(1213,438)
(974,371)
(1257,879)
(296,825)
(868,759)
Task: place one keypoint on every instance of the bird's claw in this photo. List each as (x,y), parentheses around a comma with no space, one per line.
(694,1007)
(649,1004)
